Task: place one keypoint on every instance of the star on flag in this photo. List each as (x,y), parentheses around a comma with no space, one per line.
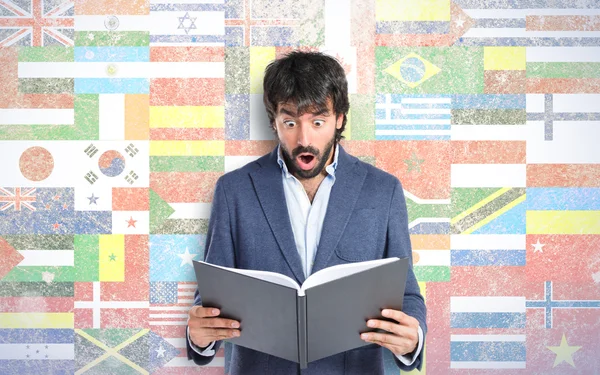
(131,222)
(564,352)
(538,246)
(93,199)
(186,258)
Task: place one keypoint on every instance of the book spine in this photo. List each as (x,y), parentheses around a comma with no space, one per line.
(302,333)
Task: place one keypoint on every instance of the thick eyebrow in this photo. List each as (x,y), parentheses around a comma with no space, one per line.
(321,112)
(286,112)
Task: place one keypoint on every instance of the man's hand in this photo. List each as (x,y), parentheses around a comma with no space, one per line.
(403,336)
(205,326)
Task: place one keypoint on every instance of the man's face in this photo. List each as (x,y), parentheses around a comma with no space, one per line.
(306,140)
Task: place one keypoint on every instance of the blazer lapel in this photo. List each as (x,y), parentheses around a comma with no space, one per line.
(344,194)
(269,189)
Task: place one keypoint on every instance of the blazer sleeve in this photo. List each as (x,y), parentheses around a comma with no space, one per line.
(219,249)
(398,245)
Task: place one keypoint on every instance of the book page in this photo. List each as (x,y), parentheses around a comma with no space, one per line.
(272,277)
(341,270)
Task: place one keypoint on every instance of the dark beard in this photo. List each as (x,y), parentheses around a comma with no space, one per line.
(300,173)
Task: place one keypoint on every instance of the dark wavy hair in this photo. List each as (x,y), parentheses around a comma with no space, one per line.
(309,80)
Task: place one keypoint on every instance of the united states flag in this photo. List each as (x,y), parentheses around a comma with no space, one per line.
(170,302)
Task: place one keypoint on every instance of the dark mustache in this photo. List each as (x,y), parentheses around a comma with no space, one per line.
(301,150)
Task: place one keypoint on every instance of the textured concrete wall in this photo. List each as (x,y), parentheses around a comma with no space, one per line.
(118,116)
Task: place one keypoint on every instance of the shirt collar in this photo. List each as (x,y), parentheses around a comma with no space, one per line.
(330,169)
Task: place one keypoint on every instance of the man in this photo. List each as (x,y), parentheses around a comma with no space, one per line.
(303,207)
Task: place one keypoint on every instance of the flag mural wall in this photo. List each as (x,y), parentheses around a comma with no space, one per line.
(118,116)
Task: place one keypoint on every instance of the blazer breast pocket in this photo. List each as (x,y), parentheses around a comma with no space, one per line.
(359,241)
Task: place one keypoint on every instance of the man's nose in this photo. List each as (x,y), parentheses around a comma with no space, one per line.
(304,136)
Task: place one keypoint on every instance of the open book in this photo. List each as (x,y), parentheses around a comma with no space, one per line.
(304,323)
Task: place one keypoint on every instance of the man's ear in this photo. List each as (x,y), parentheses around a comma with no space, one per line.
(339,121)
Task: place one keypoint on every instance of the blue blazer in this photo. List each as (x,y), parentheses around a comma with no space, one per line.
(250,228)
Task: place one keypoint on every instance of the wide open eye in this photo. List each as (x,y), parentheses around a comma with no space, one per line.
(319,123)
(289,123)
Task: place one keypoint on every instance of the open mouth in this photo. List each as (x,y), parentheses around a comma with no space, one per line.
(306,161)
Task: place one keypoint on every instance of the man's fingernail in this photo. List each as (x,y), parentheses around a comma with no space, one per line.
(235,324)
(215,312)
(364,336)
(236,333)
(371,323)
(385,312)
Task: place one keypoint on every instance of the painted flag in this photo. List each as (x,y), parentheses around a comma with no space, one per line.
(56,258)
(36,23)
(504,70)
(117,109)
(263,23)
(170,302)
(22,109)
(566,120)
(427,216)
(477,321)
(37,351)
(52,87)
(494,352)
(198,24)
(410,117)
(423,23)
(29,112)
(52,116)
(570,261)
(54,214)
(565,69)
(176,114)
(431,17)
(95,308)
(488,180)
(566,343)
(130,210)
(564,211)
(563,175)
(11,257)
(120,298)
(121,350)
(112,41)
(423,167)
(25,309)
(488,250)
(488,210)
(499,25)
(171,256)
(180,201)
(489,117)
(17,199)
(431,257)
(74,163)
(429,70)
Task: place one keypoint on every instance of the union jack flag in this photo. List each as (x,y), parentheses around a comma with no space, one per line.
(17,199)
(36,23)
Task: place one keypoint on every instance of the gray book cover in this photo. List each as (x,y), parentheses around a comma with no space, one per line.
(302,325)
